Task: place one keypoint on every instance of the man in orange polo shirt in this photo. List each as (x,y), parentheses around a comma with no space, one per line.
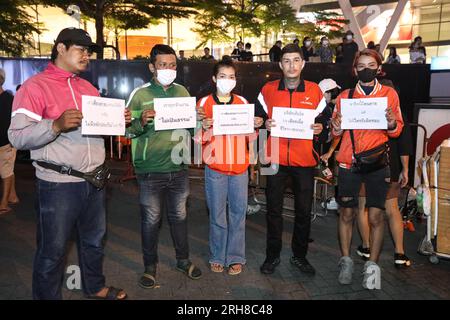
(296,159)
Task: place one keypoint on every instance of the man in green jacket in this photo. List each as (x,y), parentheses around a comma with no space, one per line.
(159,177)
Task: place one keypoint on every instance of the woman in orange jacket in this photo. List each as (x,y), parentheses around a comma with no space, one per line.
(226,176)
(366,66)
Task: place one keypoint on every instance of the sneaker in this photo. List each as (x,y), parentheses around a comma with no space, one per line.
(253,208)
(401,260)
(364,253)
(346,270)
(268,267)
(370,281)
(303,265)
(332,204)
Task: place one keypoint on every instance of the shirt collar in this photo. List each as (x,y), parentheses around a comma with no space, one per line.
(216,99)
(300,87)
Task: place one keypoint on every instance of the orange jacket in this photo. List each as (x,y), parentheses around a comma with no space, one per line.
(291,152)
(367,139)
(227,154)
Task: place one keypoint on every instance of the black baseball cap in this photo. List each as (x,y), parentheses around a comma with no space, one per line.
(76,36)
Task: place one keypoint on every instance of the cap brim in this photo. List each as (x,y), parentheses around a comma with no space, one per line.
(95,47)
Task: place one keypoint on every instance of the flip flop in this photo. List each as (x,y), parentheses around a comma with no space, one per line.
(5,210)
(111,294)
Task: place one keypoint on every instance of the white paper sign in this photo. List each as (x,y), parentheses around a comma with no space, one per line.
(368,113)
(175,113)
(293,123)
(233,119)
(103,116)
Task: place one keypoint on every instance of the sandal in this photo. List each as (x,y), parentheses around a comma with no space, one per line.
(234,269)
(190,270)
(5,210)
(147,281)
(112,294)
(216,267)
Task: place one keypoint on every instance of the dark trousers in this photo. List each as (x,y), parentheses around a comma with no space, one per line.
(61,207)
(303,184)
(173,188)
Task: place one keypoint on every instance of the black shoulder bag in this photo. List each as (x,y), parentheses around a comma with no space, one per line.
(370,160)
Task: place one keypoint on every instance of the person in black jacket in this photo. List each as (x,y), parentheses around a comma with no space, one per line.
(349,48)
(275,52)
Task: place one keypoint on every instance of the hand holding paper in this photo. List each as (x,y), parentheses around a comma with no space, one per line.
(146,116)
(68,120)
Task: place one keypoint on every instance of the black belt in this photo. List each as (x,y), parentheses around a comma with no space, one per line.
(61,169)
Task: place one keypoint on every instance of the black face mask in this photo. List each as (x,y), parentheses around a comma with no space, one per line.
(367,75)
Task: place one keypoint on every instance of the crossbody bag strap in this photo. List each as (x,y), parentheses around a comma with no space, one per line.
(352,138)
(61,169)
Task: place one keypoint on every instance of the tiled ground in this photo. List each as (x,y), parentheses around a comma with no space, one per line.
(123,262)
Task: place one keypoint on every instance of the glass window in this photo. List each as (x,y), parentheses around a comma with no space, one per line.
(427,14)
(428,32)
(444,51)
(446,12)
(444,33)
(431,52)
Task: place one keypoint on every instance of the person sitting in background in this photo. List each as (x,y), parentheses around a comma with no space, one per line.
(207,56)
(371,45)
(307,48)
(325,52)
(393,57)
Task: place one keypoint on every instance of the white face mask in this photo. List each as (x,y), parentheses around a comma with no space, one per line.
(307,43)
(349,37)
(225,86)
(166,76)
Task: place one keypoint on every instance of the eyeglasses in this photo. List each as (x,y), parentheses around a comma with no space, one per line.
(83,49)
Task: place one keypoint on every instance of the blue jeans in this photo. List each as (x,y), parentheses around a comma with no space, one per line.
(226,235)
(61,207)
(173,189)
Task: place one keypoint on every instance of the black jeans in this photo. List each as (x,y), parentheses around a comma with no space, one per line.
(303,185)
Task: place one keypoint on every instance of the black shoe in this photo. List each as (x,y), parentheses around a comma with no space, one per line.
(364,253)
(400,260)
(268,267)
(303,265)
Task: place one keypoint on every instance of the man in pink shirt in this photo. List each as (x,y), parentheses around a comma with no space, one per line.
(46,119)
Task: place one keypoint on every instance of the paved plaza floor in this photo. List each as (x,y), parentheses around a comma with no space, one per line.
(123,258)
